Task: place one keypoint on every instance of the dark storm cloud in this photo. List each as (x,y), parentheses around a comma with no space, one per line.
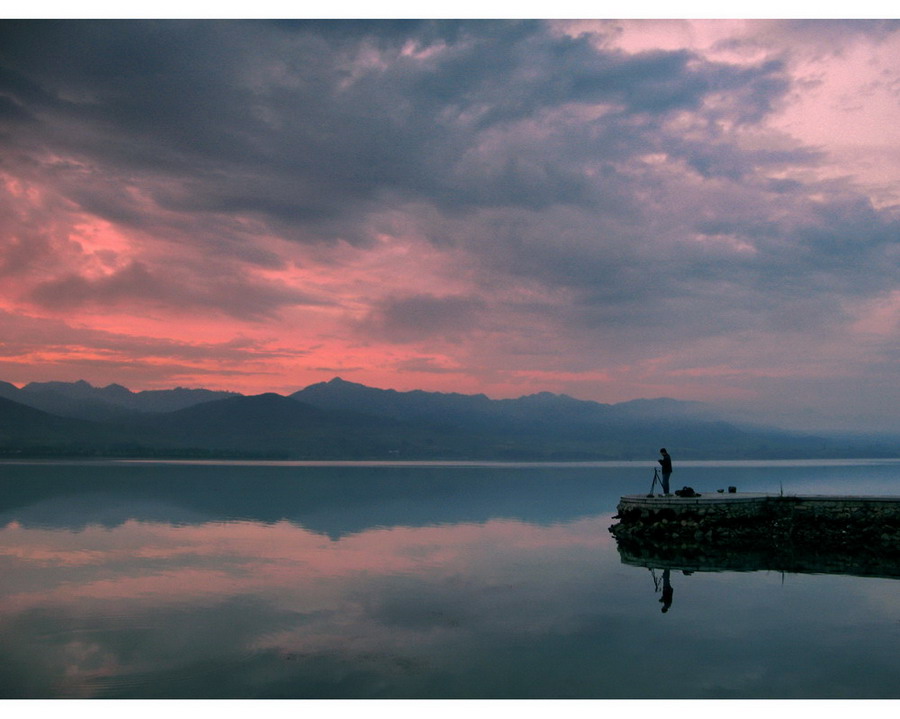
(627,179)
(294,126)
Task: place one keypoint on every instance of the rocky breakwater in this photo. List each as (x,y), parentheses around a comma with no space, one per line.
(859,535)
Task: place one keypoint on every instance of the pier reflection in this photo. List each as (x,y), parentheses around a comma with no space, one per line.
(710,557)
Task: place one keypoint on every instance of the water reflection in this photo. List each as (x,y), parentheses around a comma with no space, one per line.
(332,500)
(691,557)
(144,606)
(663,585)
(664,558)
(249,583)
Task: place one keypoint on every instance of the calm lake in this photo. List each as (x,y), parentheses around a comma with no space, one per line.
(439,581)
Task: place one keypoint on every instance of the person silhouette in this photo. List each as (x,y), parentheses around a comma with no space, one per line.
(666,463)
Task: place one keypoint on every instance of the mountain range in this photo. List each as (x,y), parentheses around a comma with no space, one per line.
(345,420)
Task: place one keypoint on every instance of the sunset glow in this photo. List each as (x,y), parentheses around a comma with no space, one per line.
(704,210)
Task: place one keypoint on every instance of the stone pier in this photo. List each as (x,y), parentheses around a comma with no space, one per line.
(843,534)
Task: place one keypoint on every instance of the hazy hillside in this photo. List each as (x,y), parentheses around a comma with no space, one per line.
(84,401)
(345,420)
(270,424)
(27,430)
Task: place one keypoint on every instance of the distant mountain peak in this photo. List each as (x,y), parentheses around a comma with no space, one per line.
(341,382)
(81,387)
(547,396)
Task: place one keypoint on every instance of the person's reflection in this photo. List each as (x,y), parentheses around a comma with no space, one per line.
(666,587)
(667,592)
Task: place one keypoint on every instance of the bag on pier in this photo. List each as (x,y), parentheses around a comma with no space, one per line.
(686,492)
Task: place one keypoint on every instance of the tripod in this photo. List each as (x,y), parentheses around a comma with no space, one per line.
(656,480)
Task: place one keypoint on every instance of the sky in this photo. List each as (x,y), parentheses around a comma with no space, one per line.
(699,209)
